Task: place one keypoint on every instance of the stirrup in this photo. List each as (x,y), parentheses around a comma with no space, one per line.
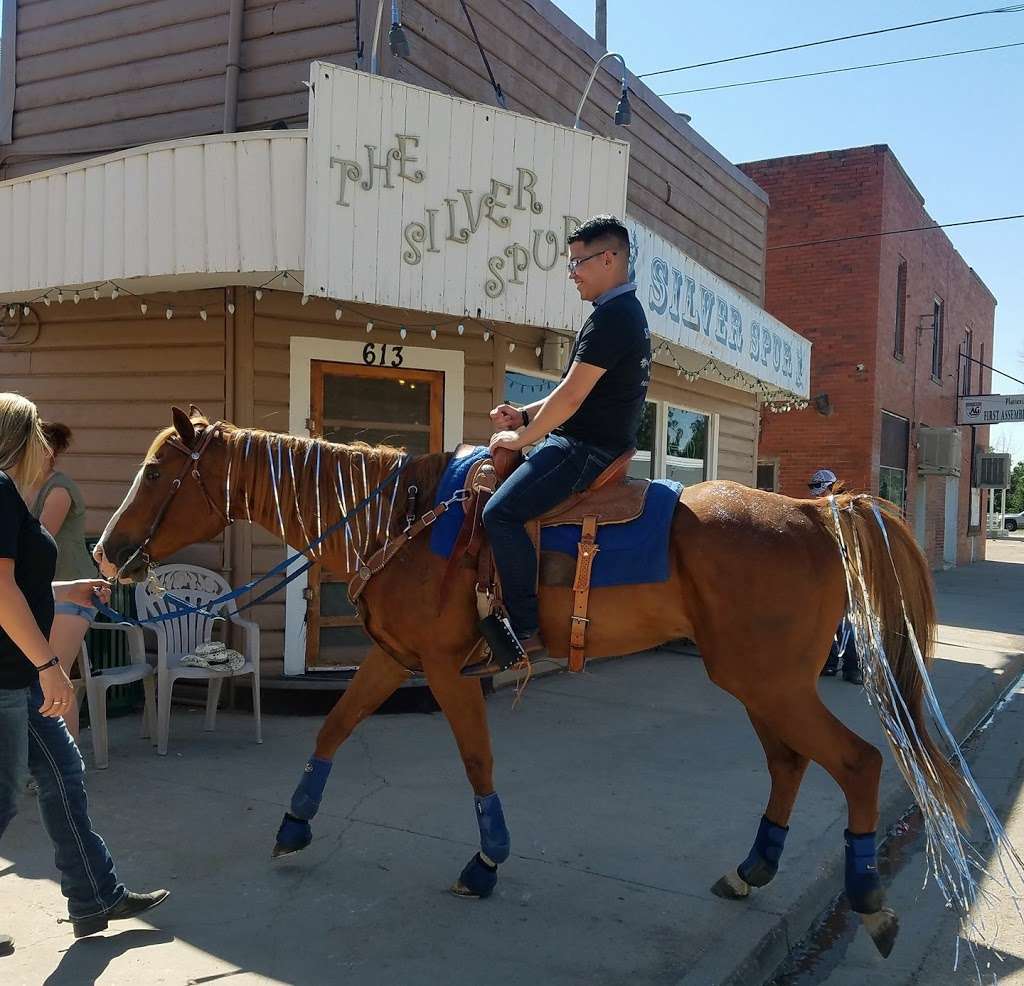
(506,650)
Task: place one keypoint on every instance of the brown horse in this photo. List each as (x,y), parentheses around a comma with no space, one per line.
(745,566)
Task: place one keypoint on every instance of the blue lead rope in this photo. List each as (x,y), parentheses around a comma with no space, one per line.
(184,608)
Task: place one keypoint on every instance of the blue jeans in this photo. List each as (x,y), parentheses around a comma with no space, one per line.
(45,747)
(555,469)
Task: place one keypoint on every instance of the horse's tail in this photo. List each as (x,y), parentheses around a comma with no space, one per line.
(897,575)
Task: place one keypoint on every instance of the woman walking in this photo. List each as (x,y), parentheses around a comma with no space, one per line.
(60,507)
(35,692)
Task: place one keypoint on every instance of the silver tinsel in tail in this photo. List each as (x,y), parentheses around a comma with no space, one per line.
(953,862)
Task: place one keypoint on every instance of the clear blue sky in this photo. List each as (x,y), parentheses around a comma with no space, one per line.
(955,123)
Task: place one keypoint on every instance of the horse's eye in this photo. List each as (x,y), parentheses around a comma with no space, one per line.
(152,474)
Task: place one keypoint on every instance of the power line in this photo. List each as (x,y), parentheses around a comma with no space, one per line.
(1012,9)
(893,232)
(836,71)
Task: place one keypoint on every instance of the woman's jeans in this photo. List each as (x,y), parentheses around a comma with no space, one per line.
(45,746)
(555,469)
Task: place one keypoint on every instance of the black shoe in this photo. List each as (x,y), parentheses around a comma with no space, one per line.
(830,670)
(130,906)
(6,945)
(482,669)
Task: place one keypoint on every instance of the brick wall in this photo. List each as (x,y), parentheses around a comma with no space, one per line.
(843,296)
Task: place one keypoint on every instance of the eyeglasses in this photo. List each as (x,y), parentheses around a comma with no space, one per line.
(576,261)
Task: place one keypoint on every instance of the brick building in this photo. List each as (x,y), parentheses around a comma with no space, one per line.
(891,318)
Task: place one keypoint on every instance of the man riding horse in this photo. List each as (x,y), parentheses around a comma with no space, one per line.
(586,422)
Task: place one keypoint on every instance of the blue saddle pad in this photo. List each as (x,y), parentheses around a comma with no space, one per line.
(445,532)
(631,553)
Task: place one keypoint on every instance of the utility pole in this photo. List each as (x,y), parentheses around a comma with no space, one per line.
(601,23)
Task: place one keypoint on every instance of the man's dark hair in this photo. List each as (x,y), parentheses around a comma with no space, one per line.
(604,228)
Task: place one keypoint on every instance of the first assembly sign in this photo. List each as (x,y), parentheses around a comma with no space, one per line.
(990,409)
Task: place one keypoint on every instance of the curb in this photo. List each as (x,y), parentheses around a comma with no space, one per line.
(755,961)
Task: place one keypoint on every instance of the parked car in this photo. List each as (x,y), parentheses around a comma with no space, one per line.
(1013,521)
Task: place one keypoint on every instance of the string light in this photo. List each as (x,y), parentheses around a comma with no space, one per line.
(26,311)
(305,299)
(143,307)
(402,332)
(369,327)
(114,293)
(259,294)
(538,351)
(203,315)
(12,311)
(487,336)
(433,333)
(231,308)
(511,347)
(337,314)
(169,313)
(46,300)
(77,298)
(60,297)
(96,294)
(462,328)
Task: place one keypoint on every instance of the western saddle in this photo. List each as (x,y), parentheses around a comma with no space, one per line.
(612,498)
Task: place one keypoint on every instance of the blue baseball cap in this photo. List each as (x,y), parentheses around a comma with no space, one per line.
(821,481)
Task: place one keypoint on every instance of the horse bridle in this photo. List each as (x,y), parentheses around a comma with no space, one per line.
(193,456)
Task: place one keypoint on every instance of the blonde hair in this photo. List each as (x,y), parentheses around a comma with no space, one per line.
(24,450)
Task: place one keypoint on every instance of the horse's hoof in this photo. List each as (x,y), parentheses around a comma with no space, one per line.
(476,881)
(293,835)
(731,887)
(883,926)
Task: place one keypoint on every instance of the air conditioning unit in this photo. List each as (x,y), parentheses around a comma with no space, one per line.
(992,470)
(939,452)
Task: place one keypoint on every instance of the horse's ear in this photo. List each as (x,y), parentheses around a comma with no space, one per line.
(183,426)
(194,411)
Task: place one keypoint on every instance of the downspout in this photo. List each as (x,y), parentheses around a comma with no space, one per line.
(236,14)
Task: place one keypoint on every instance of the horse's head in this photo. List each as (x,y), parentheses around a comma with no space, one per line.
(177,499)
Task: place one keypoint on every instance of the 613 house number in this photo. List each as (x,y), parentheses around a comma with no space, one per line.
(382,355)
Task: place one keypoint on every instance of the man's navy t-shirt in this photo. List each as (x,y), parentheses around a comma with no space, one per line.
(617,339)
(29,544)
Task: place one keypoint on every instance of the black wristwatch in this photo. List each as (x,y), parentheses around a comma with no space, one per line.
(526,417)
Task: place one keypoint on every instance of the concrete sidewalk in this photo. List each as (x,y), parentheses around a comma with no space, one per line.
(629,790)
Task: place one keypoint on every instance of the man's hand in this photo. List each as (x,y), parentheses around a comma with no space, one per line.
(506,417)
(58,692)
(85,592)
(506,439)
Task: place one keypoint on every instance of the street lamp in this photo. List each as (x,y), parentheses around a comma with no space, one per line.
(623,113)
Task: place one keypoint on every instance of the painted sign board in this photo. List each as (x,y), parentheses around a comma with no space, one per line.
(696,309)
(990,409)
(428,202)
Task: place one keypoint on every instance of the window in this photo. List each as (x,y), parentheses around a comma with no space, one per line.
(938,316)
(892,459)
(642,466)
(766,476)
(967,363)
(526,388)
(686,446)
(901,308)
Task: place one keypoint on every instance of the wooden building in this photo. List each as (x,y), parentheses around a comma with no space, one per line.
(147,258)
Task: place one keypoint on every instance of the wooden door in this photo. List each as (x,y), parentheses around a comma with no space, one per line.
(377,405)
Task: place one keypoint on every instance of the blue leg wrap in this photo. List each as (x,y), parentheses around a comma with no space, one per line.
(478,877)
(863,884)
(762,863)
(306,799)
(494,838)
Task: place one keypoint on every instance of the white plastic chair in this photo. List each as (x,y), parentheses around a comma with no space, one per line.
(176,638)
(96,686)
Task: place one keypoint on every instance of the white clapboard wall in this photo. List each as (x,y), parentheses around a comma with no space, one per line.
(502,182)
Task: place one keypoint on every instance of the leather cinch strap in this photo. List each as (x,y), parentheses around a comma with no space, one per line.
(586,552)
